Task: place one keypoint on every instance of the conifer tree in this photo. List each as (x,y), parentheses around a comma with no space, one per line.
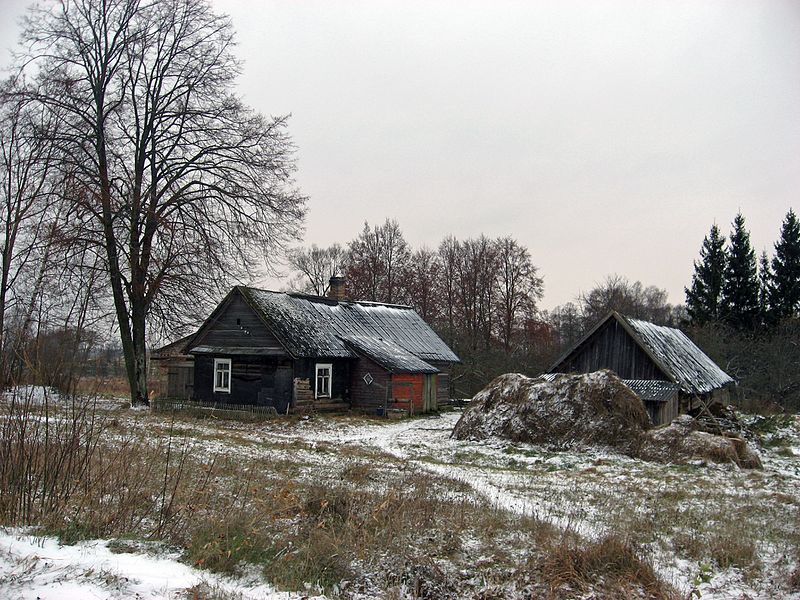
(765,289)
(785,288)
(740,288)
(703,298)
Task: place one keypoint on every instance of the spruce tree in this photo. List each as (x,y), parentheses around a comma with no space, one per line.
(785,289)
(765,289)
(703,298)
(740,288)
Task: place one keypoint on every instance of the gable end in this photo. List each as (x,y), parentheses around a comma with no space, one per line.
(234,327)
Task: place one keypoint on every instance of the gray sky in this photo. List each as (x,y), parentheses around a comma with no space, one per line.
(607,136)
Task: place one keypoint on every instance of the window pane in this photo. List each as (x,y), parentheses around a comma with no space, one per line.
(222,375)
(323,383)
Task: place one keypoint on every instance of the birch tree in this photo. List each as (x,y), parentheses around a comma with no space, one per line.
(26,166)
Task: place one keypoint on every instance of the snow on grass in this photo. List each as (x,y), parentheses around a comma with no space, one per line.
(40,395)
(35,567)
(596,492)
(672,513)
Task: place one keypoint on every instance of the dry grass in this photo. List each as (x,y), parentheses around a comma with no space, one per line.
(571,411)
(373,525)
(612,564)
(116,387)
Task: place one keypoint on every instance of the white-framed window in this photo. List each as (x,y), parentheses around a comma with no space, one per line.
(222,375)
(323,377)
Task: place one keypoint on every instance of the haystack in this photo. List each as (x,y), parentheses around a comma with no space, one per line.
(683,441)
(594,409)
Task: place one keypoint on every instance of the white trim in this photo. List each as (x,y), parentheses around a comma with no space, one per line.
(317,368)
(222,388)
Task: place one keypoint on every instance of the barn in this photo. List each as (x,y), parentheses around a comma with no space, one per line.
(661,364)
(298,352)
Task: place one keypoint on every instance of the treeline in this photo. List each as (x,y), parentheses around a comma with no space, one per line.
(745,311)
(480,294)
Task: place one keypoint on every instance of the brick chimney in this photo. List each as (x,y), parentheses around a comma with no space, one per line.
(336,288)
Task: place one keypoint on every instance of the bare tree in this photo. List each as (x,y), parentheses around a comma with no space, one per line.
(519,287)
(423,277)
(184,188)
(629,298)
(26,167)
(449,256)
(375,262)
(315,267)
(567,321)
(477,289)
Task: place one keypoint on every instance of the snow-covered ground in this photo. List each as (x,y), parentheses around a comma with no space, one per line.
(39,568)
(590,493)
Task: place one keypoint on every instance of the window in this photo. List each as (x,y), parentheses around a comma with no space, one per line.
(222,375)
(324,374)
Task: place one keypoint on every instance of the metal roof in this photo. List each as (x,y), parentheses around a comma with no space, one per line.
(312,326)
(653,390)
(679,357)
(389,355)
(650,390)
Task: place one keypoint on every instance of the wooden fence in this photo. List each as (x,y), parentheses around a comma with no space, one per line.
(213,409)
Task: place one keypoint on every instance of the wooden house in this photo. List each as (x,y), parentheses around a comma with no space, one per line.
(661,364)
(298,352)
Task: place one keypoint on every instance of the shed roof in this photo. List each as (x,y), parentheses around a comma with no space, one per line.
(313,326)
(173,349)
(671,350)
(653,390)
(389,355)
(680,357)
(650,390)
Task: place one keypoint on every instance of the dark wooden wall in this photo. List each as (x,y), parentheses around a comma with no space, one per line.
(254,380)
(171,376)
(662,413)
(442,381)
(368,396)
(180,380)
(237,325)
(612,348)
(305,368)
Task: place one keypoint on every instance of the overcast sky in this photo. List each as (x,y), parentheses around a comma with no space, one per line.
(607,136)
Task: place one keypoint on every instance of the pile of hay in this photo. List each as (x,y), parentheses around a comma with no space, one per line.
(684,441)
(594,409)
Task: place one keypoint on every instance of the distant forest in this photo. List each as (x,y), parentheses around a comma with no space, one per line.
(481,295)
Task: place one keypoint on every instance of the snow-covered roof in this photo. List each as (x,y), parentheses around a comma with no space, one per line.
(653,390)
(680,357)
(312,326)
(650,390)
(389,355)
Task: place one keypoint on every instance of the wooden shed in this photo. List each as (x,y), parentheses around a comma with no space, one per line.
(388,376)
(172,370)
(649,356)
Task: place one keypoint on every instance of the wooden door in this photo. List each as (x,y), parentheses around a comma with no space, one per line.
(283,389)
(429,393)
